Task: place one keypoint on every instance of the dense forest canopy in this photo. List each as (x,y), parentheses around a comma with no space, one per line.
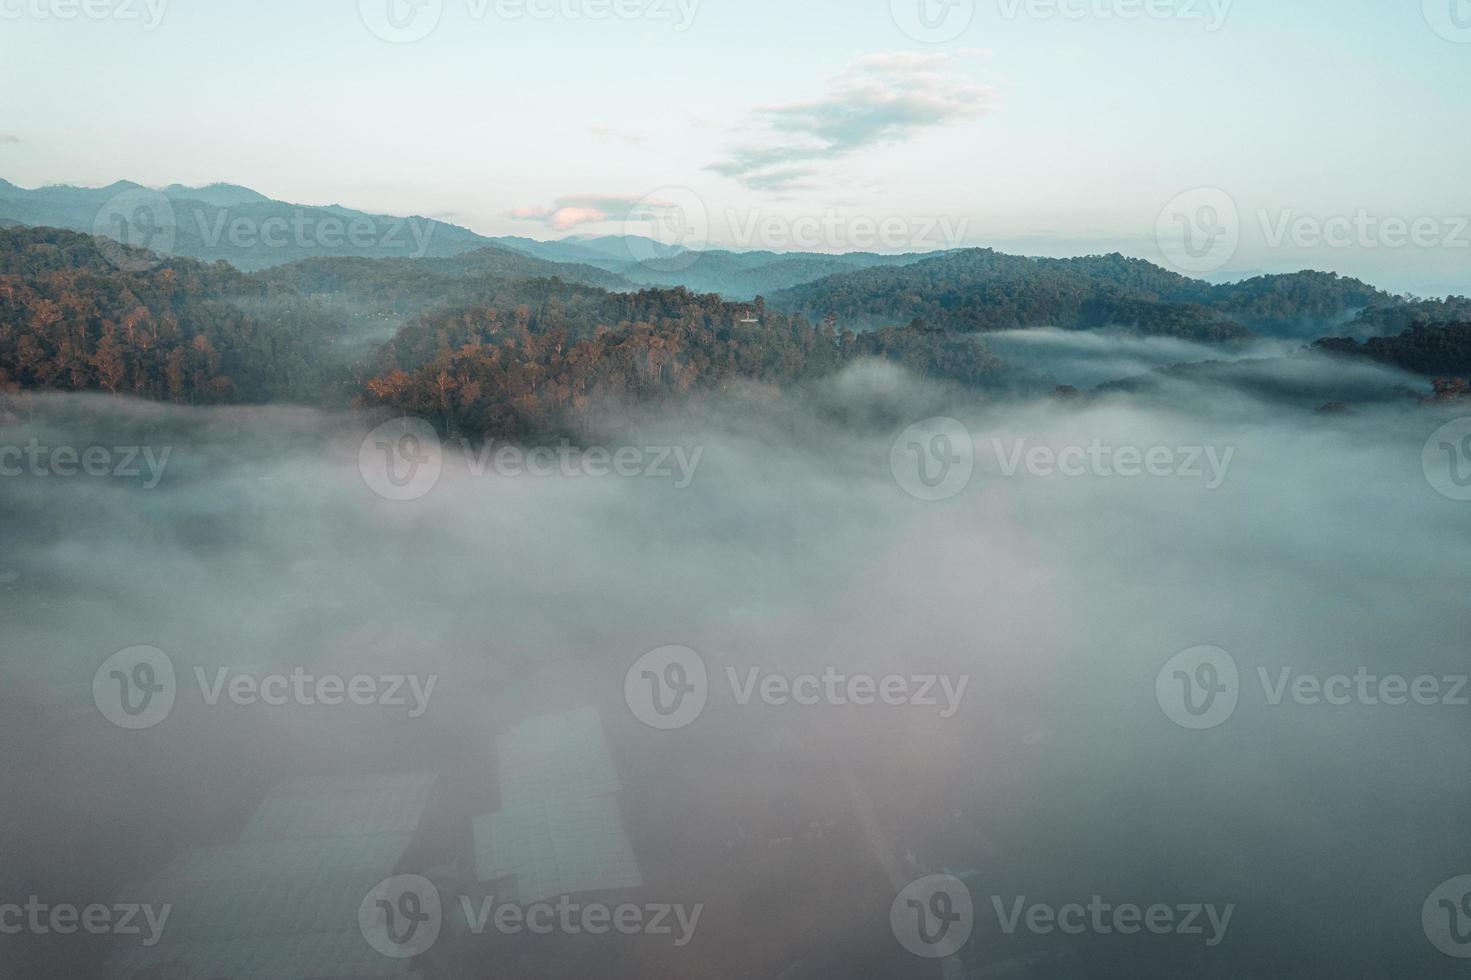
(981,290)
(485,341)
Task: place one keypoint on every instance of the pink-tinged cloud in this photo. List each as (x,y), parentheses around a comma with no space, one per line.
(570,212)
(565,219)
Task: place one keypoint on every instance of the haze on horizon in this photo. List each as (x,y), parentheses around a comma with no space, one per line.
(1034,127)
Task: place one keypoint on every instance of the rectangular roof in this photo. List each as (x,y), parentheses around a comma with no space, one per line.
(557,756)
(556,847)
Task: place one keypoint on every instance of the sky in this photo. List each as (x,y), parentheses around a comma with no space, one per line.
(1265,136)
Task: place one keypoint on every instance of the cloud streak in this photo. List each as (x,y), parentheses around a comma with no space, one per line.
(880,100)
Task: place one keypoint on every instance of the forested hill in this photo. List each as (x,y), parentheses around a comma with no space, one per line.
(405,284)
(983,290)
(550,366)
(474,343)
(1439,350)
(520,356)
(71,320)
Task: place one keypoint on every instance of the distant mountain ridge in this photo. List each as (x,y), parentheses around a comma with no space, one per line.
(225,222)
(241,226)
(479,341)
(734,275)
(962,291)
(982,290)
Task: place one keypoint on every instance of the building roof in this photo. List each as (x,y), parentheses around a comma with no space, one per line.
(282,902)
(356,806)
(560,756)
(556,847)
(559,830)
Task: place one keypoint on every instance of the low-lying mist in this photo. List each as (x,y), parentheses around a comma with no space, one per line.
(1093,542)
(1087,358)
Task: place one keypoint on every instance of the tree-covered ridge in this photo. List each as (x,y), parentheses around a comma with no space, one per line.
(71,321)
(411,286)
(517,356)
(1436,350)
(534,368)
(981,290)
(1302,297)
(1395,318)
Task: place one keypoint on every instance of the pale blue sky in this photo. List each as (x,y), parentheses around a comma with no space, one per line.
(1032,132)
